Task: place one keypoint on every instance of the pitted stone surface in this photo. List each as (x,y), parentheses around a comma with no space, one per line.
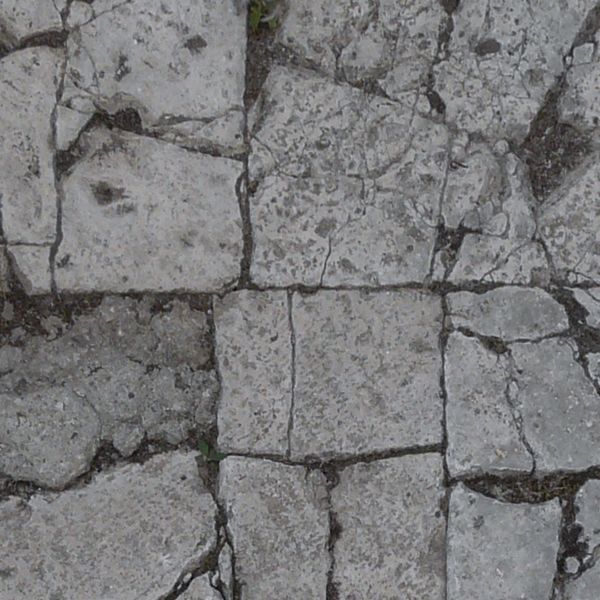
(121,371)
(498,550)
(20,20)
(367,369)
(129,534)
(501,60)
(254,353)
(392,529)
(388,42)
(148,56)
(347,185)
(278,520)
(29,81)
(120,234)
(587,507)
(509,313)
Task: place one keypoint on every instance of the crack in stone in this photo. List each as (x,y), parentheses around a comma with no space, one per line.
(335,530)
(290,427)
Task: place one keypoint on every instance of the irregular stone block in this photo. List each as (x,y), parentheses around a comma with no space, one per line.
(488,45)
(483,427)
(569,224)
(509,313)
(392,529)
(32,268)
(254,353)
(278,520)
(116,372)
(323,212)
(498,550)
(391,43)
(589,299)
(28,84)
(20,20)
(140,526)
(139,214)
(173,64)
(367,372)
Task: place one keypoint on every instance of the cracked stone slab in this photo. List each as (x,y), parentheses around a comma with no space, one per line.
(20,20)
(254,353)
(118,372)
(483,436)
(367,371)
(489,209)
(173,64)
(278,522)
(392,529)
(346,186)
(498,550)
(510,313)
(587,507)
(140,526)
(28,85)
(502,59)
(527,398)
(140,214)
(569,224)
(385,41)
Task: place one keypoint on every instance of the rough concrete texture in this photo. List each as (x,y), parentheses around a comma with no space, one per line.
(116,373)
(394,507)
(338,260)
(118,232)
(131,533)
(367,369)
(499,550)
(254,353)
(279,526)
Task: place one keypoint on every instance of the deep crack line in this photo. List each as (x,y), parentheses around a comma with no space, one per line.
(290,426)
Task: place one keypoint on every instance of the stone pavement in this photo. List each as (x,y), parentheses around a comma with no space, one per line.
(299,300)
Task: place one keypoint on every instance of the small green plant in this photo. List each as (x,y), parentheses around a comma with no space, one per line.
(209,453)
(263,11)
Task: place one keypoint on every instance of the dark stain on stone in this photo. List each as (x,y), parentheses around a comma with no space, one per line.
(195,44)
(123,68)
(435,101)
(127,119)
(106,194)
(487,46)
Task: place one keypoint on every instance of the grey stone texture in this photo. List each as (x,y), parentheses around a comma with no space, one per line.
(367,369)
(118,232)
(392,529)
(278,520)
(498,550)
(118,372)
(254,353)
(148,55)
(128,534)
(20,21)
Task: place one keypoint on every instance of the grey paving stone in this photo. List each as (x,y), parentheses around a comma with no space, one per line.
(254,353)
(589,299)
(488,46)
(278,519)
(129,534)
(28,84)
(181,67)
(568,224)
(120,233)
(488,195)
(509,313)
(116,373)
(324,212)
(387,42)
(367,371)
(587,506)
(31,266)
(483,430)
(497,550)
(200,589)
(533,392)
(20,20)
(392,538)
